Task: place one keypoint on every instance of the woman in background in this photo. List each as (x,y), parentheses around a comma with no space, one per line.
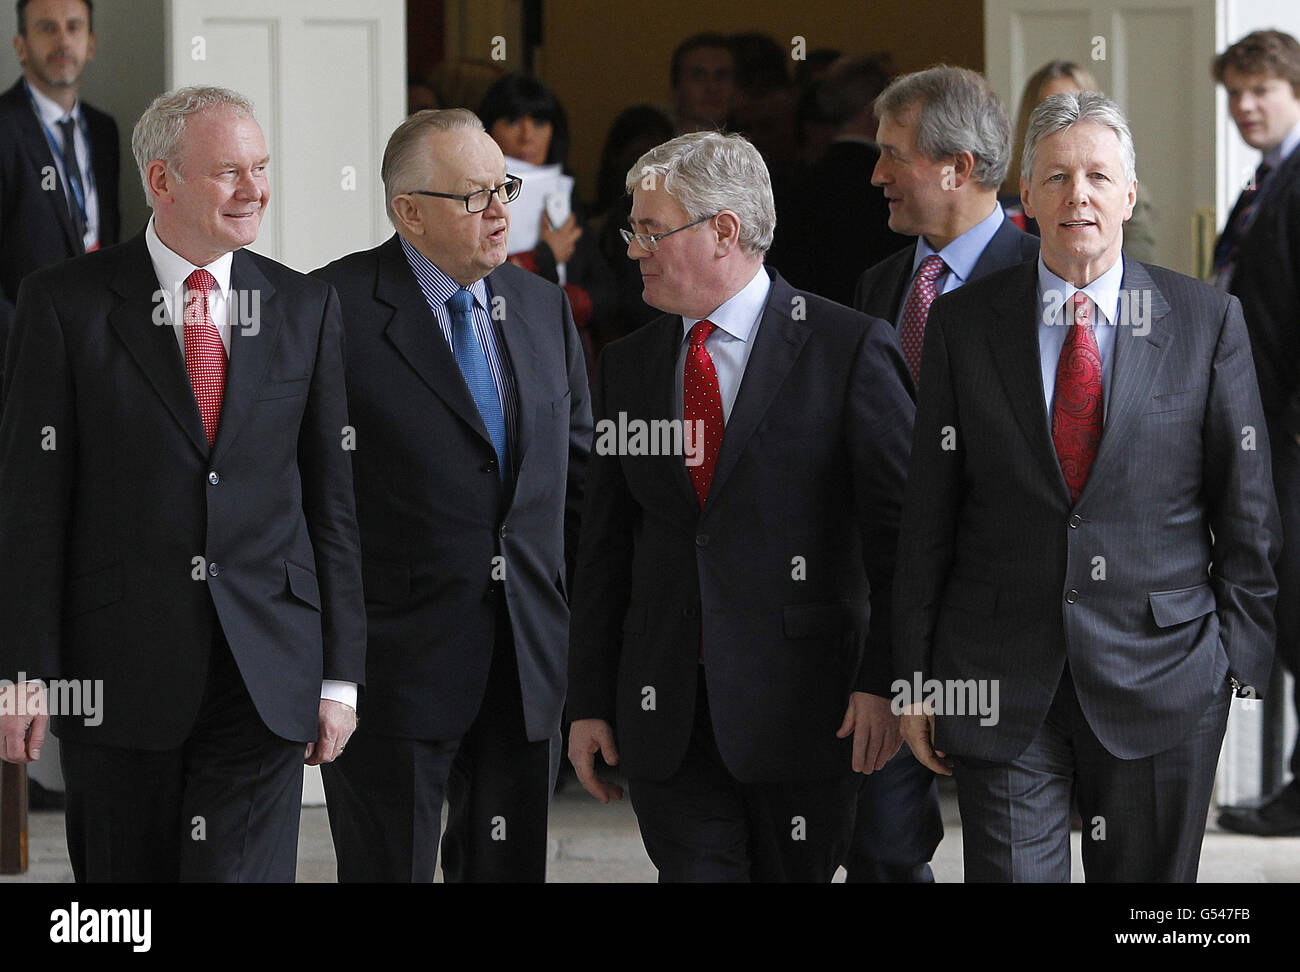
(1067,77)
(528,123)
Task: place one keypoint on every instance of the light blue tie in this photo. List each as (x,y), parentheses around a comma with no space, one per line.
(473,363)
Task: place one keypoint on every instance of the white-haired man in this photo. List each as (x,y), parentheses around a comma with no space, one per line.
(1088,536)
(730,616)
(180,537)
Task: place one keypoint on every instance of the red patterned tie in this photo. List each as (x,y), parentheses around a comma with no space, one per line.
(205,358)
(1077,403)
(916,310)
(702,403)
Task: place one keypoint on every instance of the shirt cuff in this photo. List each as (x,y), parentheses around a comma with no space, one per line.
(337,691)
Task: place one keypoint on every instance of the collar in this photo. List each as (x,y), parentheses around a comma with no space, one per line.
(172,269)
(1104,291)
(1280,152)
(739,315)
(50,111)
(437,286)
(964,252)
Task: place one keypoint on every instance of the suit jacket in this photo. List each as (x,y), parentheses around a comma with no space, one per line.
(837,225)
(882,289)
(442,540)
(126,537)
(786,570)
(1266,278)
(1154,586)
(35,226)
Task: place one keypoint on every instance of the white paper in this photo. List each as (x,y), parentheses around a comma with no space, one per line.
(540,181)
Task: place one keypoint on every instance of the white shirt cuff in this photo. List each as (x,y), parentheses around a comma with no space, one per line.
(337,691)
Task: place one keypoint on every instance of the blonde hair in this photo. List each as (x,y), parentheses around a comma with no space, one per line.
(1030,99)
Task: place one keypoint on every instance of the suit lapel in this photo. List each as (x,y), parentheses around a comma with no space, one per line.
(1003,250)
(1138,355)
(251,345)
(415,334)
(152,342)
(1014,339)
(777,343)
(523,353)
(660,386)
(38,148)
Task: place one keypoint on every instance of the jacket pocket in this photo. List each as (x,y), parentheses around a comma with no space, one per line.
(302,584)
(1169,608)
(97,589)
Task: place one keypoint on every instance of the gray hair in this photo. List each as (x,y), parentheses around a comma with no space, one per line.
(708,172)
(405,161)
(1063,111)
(956,111)
(159,131)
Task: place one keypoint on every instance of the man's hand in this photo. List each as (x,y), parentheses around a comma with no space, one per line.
(875,731)
(337,722)
(918,731)
(586,738)
(23,732)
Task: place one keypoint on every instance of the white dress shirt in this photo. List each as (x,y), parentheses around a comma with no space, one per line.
(1055,299)
(730,344)
(51,113)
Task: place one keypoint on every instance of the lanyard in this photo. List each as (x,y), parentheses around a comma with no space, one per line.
(55,143)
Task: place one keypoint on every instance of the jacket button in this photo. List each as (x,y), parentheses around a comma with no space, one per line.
(213,478)
(502,531)
(214,569)
(701,540)
(1075,520)
(1071,597)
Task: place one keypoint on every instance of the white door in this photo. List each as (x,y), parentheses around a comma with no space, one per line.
(329,84)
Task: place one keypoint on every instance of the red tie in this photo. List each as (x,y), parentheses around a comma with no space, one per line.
(702,402)
(205,358)
(916,310)
(1077,403)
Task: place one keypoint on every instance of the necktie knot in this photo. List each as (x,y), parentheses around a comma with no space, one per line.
(1082,309)
(701,331)
(931,267)
(461,301)
(201,281)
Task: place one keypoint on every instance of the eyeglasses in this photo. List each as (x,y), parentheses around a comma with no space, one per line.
(650,241)
(480,200)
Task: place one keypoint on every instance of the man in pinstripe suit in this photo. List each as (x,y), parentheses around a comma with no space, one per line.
(1089,528)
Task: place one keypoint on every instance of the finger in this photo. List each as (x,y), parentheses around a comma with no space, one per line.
(846,726)
(37,738)
(608,751)
(306,758)
(861,738)
(873,748)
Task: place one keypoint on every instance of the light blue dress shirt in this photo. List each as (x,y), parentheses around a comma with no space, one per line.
(960,256)
(1056,300)
(730,344)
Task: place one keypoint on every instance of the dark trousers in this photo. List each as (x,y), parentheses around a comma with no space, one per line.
(224,806)
(1143,819)
(1286,483)
(385,795)
(702,824)
(898,824)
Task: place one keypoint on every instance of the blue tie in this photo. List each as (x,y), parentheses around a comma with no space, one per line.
(473,363)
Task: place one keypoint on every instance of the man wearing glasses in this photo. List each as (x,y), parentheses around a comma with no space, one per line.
(469,405)
(730,649)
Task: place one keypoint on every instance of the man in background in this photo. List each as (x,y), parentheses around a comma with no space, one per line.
(944,149)
(58,155)
(1258,260)
(703,79)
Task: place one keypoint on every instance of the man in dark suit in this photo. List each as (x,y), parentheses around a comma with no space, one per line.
(468,392)
(1258,261)
(1085,560)
(58,155)
(730,619)
(945,145)
(179,524)
(836,222)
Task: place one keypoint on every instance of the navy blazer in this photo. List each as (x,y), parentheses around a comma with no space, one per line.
(443,542)
(784,574)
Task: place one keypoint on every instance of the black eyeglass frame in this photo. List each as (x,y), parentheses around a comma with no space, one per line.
(509,197)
